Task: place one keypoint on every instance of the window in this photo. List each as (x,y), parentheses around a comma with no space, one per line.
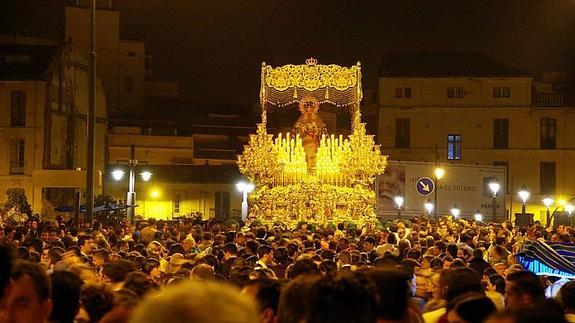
(501,92)
(18,109)
(501,133)
(547,177)
(453,147)
(407,92)
(548,130)
(454,92)
(17,156)
(506,165)
(404,92)
(402,133)
(177,204)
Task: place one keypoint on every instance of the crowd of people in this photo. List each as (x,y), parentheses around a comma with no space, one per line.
(417,270)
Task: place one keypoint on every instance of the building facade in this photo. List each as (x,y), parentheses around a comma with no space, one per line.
(470,109)
(187,178)
(43,104)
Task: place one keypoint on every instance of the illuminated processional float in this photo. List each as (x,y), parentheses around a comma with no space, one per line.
(308,174)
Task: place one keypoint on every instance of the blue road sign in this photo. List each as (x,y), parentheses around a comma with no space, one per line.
(425,186)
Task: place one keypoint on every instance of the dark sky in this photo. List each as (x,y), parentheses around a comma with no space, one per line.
(214,48)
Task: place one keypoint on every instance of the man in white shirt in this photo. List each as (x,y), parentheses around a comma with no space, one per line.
(266,255)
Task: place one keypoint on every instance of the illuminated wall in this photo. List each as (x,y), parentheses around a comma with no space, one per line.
(432,117)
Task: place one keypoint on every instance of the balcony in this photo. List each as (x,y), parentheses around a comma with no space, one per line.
(548,100)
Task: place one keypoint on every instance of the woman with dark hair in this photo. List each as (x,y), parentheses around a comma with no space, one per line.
(470,308)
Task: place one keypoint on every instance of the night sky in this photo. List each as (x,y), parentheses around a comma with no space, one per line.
(214,48)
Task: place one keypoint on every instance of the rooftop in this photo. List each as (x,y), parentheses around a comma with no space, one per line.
(445,65)
(187,173)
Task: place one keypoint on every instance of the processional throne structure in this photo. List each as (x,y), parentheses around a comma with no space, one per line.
(308,174)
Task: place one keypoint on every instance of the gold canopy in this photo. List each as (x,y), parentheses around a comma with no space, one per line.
(285,85)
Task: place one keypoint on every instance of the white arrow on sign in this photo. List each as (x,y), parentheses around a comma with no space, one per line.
(424,186)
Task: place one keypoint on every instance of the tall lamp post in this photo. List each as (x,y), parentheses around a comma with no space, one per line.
(399,203)
(118,174)
(439,172)
(428,207)
(91,118)
(494,187)
(245,188)
(524,196)
(548,202)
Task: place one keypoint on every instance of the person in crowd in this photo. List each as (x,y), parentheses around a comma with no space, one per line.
(197,302)
(567,299)
(523,289)
(477,262)
(85,244)
(96,300)
(266,292)
(5,271)
(29,297)
(451,284)
(148,234)
(266,256)
(470,308)
(115,272)
(66,288)
(538,314)
(348,298)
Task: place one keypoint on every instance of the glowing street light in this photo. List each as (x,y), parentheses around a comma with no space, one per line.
(569,208)
(478,217)
(494,187)
(118,174)
(439,172)
(146,176)
(428,207)
(399,202)
(245,188)
(455,211)
(548,202)
(524,196)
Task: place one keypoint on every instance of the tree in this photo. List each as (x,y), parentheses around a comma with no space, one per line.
(17,200)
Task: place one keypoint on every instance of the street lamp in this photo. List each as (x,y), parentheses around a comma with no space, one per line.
(524,196)
(569,208)
(245,188)
(118,174)
(439,172)
(146,176)
(428,207)
(548,202)
(494,187)
(478,217)
(455,211)
(399,203)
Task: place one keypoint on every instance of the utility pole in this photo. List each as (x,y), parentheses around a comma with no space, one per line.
(91,119)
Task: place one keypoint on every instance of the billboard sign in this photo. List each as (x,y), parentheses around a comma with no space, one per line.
(466,186)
